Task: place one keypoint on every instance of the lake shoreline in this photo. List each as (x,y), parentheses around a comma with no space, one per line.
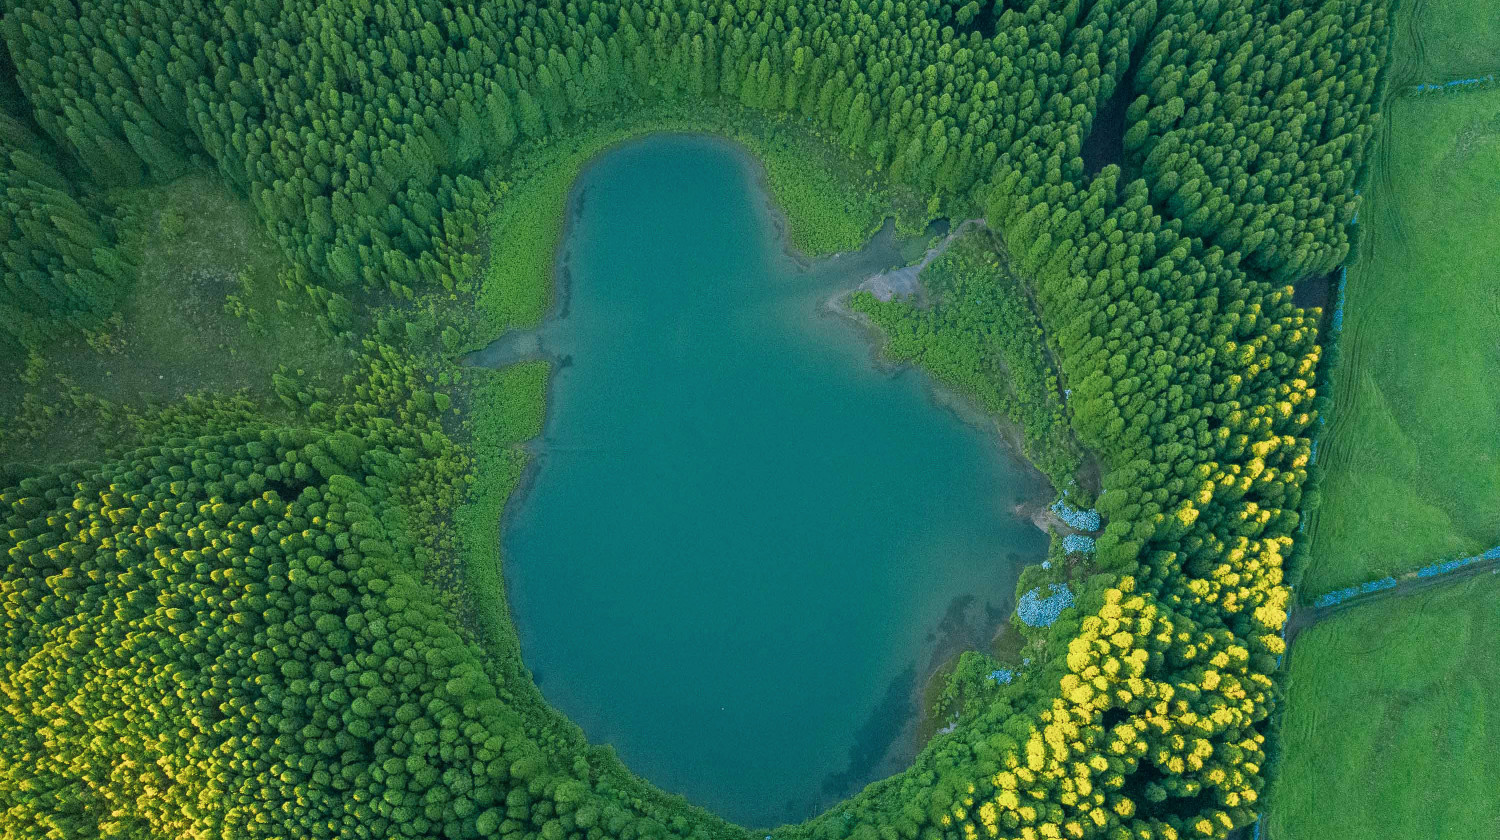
(522,345)
(1033,508)
(919,728)
(960,404)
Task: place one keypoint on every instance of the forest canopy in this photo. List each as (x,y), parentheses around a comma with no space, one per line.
(226,629)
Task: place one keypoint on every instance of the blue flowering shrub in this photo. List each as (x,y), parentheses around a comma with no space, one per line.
(1078,544)
(1456,83)
(1341,595)
(1038,610)
(1079,520)
(1433,570)
(1447,566)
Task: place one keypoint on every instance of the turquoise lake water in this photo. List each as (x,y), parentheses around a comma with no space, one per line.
(745,542)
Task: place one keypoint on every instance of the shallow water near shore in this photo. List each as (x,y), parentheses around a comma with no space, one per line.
(745,540)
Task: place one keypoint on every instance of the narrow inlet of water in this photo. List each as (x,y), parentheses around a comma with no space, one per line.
(745,541)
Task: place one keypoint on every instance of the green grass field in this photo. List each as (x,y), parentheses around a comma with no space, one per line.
(1413,469)
(1393,721)
(1449,39)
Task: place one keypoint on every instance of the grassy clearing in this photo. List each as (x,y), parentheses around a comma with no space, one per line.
(829,201)
(524,234)
(1393,721)
(1413,474)
(206,314)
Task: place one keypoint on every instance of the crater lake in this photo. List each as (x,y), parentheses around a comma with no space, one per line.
(745,542)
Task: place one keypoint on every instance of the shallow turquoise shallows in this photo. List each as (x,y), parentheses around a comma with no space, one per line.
(745,542)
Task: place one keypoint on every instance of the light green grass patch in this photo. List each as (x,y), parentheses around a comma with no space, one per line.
(1413,468)
(524,233)
(508,410)
(826,198)
(1393,721)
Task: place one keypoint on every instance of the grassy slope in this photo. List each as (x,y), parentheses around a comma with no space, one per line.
(1413,473)
(981,336)
(1392,721)
(177,331)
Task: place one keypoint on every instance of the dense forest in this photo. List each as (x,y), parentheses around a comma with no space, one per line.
(225,627)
